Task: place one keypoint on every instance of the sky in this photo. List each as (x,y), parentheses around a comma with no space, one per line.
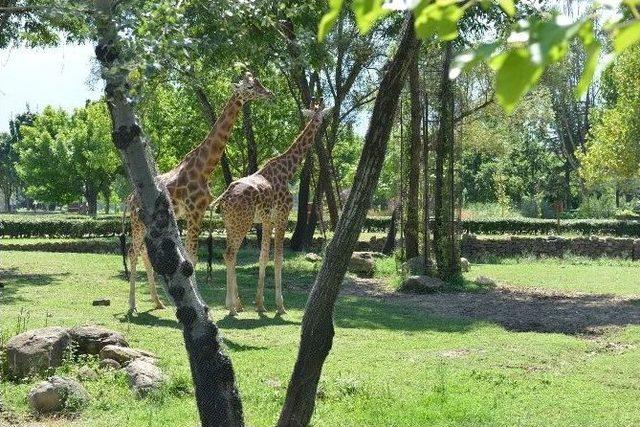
(59,76)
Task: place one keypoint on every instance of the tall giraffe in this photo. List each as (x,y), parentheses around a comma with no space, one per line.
(188,184)
(265,197)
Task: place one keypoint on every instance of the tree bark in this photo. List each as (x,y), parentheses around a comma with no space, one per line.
(298,236)
(444,228)
(91,194)
(427,175)
(216,393)
(390,241)
(210,115)
(411,231)
(317,324)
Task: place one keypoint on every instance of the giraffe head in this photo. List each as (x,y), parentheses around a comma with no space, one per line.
(317,110)
(249,89)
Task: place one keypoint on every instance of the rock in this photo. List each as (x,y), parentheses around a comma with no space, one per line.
(109,364)
(413,266)
(85,373)
(58,394)
(313,257)
(92,339)
(33,352)
(101,302)
(362,264)
(464,264)
(123,355)
(144,376)
(421,285)
(485,281)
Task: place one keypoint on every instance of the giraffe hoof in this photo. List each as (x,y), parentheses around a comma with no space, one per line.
(160,306)
(281,311)
(261,309)
(233,313)
(132,311)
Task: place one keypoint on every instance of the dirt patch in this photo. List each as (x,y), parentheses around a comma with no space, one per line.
(516,308)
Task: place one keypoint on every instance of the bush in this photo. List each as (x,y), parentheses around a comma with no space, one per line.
(597,207)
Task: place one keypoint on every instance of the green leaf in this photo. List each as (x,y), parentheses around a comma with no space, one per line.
(329,18)
(439,19)
(516,73)
(471,57)
(368,12)
(592,49)
(508,6)
(626,36)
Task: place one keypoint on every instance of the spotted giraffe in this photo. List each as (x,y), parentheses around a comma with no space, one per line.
(188,185)
(264,197)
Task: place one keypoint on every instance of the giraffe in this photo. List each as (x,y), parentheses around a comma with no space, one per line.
(188,185)
(265,198)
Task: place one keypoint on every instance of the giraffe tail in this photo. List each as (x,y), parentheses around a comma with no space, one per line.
(123,242)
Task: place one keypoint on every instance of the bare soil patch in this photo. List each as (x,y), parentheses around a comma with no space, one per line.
(516,308)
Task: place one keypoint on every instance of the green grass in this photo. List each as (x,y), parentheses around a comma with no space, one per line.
(391,364)
(604,276)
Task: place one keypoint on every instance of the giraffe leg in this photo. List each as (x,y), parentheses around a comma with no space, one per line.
(194,226)
(133,260)
(264,259)
(152,281)
(278,259)
(137,245)
(237,227)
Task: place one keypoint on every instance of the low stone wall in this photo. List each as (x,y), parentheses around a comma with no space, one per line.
(551,246)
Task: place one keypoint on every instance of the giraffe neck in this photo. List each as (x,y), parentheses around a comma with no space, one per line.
(206,156)
(297,151)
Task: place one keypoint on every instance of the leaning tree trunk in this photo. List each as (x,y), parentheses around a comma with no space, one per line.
(317,323)
(411,230)
(216,392)
(444,239)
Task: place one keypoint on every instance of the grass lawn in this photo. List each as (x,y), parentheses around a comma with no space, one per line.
(392,363)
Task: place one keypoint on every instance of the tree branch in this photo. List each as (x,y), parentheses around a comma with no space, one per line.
(475,109)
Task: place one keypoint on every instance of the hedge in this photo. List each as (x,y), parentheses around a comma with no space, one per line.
(75,227)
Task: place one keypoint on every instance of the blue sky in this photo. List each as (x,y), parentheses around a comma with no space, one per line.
(59,76)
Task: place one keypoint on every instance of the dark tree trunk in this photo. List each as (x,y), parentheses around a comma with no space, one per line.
(210,115)
(91,194)
(411,231)
(444,239)
(252,152)
(106,193)
(298,236)
(317,324)
(427,174)
(7,199)
(390,241)
(216,393)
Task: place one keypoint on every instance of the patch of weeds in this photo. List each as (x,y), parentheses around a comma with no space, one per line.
(180,386)
(348,386)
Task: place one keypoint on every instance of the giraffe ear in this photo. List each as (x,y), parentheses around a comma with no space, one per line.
(326,111)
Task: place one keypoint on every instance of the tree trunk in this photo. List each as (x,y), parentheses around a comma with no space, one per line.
(252,152)
(427,174)
(210,115)
(317,323)
(444,229)
(107,200)
(390,241)
(411,230)
(299,233)
(7,199)
(216,393)
(91,194)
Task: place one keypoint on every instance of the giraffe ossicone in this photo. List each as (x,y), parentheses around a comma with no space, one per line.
(265,198)
(188,184)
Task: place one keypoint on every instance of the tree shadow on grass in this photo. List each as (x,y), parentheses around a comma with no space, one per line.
(11,280)
(145,318)
(515,309)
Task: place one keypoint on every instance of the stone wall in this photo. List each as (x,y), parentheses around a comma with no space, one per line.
(551,246)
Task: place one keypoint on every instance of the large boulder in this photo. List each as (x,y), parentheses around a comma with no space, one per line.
(144,376)
(92,339)
(362,264)
(123,355)
(485,281)
(313,257)
(464,264)
(421,285)
(58,394)
(34,352)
